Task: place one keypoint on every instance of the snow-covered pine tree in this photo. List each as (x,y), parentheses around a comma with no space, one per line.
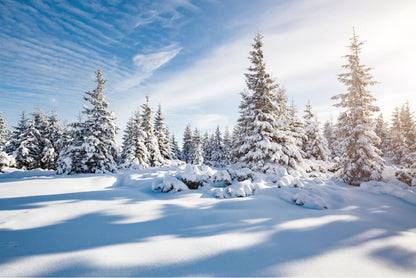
(54,142)
(176,150)
(382,132)
(5,159)
(47,155)
(134,152)
(329,133)
(196,153)
(296,127)
(28,153)
(162,135)
(360,160)
(93,149)
(314,145)
(408,125)
(15,139)
(187,145)
(217,155)
(207,147)
(398,148)
(227,147)
(150,140)
(263,124)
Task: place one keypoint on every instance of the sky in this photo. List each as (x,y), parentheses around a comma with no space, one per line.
(191,56)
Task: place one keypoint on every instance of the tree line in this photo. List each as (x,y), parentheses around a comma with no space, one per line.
(269,135)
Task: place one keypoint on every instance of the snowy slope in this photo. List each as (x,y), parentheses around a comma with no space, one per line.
(118,225)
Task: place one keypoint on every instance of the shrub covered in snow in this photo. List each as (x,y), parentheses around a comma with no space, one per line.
(193,177)
(170,184)
(237,189)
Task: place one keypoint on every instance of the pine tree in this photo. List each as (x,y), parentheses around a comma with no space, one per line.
(134,152)
(296,127)
(176,150)
(54,142)
(28,153)
(266,139)
(382,132)
(187,144)
(196,153)
(217,148)
(227,147)
(93,149)
(398,143)
(408,125)
(360,160)
(314,145)
(162,135)
(150,140)
(5,159)
(329,134)
(14,141)
(206,146)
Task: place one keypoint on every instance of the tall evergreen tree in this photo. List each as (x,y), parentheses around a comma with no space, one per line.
(207,147)
(28,153)
(17,135)
(150,140)
(217,148)
(54,142)
(263,123)
(187,144)
(398,148)
(93,149)
(227,147)
(134,152)
(5,159)
(382,132)
(360,160)
(196,154)
(176,150)
(314,145)
(408,125)
(296,126)
(329,134)
(162,135)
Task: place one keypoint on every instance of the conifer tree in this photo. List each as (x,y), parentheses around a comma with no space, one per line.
(187,144)
(296,127)
(162,135)
(408,125)
(227,148)
(93,148)
(196,153)
(314,145)
(207,147)
(382,132)
(17,135)
(176,150)
(54,142)
(150,140)
(329,134)
(360,160)
(398,148)
(134,152)
(5,159)
(264,120)
(217,148)
(28,153)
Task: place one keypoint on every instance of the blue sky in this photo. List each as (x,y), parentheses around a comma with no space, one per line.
(191,56)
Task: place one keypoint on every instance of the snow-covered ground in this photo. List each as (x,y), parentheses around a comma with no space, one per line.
(122,224)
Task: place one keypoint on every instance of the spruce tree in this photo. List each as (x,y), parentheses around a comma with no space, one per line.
(398,148)
(227,147)
(266,139)
(408,125)
(134,152)
(196,153)
(360,160)
(176,150)
(5,159)
(382,132)
(150,140)
(217,155)
(93,149)
(28,153)
(314,145)
(296,127)
(187,144)
(14,141)
(54,142)
(162,135)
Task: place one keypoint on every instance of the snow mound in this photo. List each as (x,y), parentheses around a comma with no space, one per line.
(170,184)
(240,174)
(238,189)
(193,176)
(304,197)
(222,176)
(398,190)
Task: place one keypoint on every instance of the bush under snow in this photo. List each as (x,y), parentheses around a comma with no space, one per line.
(238,189)
(170,184)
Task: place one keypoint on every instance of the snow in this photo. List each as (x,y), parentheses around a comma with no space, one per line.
(117,225)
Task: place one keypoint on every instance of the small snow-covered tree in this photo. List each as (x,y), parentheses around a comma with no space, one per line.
(187,144)
(314,145)
(296,126)
(360,160)
(54,142)
(196,153)
(408,125)
(207,147)
(227,147)
(330,136)
(134,152)
(5,159)
(266,139)
(93,149)
(28,153)
(150,140)
(17,135)
(162,135)
(398,148)
(217,155)
(176,150)
(382,132)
